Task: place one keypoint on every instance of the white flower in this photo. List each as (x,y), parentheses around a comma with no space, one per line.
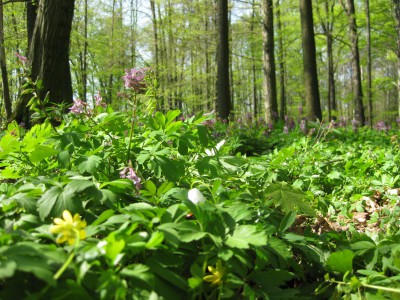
(211,152)
(196,196)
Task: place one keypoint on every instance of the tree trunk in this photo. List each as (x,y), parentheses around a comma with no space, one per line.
(357,84)
(49,53)
(85,53)
(396,4)
(223,88)
(369,63)
(327,27)
(309,61)
(282,84)
(3,66)
(31,13)
(271,103)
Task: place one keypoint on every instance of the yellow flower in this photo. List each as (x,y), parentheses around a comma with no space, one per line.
(68,228)
(217,273)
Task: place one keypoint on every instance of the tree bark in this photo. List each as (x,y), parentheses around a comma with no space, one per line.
(396,5)
(49,53)
(282,83)
(31,13)
(309,62)
(3,66)
(223,87)
(369,63)
(327,27)
(359,114)
(269,83)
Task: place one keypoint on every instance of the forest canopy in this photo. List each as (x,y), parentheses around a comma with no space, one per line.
(179,40)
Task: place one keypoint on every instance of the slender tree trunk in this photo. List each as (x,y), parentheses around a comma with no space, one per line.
(369,63)
(396,4)
(327,26)
(85,53)
(359,114)
(309,62)
(3,66)
(223,88)
(282,83)
(271,103)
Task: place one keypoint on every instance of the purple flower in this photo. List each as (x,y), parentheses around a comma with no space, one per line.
(134,79)
(300,109)
(303,126)
(99,100)
(355,123)
(285,130)
(129,173)
(79,107)
(21,58)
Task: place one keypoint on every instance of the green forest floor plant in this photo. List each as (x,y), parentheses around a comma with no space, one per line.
(149,205)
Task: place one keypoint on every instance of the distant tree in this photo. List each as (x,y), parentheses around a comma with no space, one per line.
(327,23)
(396,4)
(270,101)
(369,62)
(3,67)
(48,54)
(282,84)
(223,86)
(313,104)
(359,114)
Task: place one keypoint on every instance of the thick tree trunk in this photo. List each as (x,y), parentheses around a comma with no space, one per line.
(31,13)
(3,66)
(271,102)
(48,54)
(309,62)
(223,88)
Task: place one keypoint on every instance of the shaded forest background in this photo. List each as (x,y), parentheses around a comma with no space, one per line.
(179,41)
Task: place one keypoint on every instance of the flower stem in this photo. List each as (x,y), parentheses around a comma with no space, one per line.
(132,125)
(64,266)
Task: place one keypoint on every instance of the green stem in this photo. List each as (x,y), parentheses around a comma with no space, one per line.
(132,125)
(386,289)
(64,266)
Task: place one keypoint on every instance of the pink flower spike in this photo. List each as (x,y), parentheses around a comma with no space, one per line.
(22,58)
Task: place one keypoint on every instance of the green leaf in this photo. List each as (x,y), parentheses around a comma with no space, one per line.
(341,261)
(28,259)
(289,198)
(140,273)
(166,274)
(64,158)
(287,221)
(171,115)
(122,185)
(56,199)
(173,170)
(114,248)
(41,152)
(173,127)
(155,240)
(88,164)
(151,187)
(203,135)
(244,235)
(7,268)
(104,216)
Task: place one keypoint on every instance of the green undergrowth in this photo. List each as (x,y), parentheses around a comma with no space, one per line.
(258,234)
